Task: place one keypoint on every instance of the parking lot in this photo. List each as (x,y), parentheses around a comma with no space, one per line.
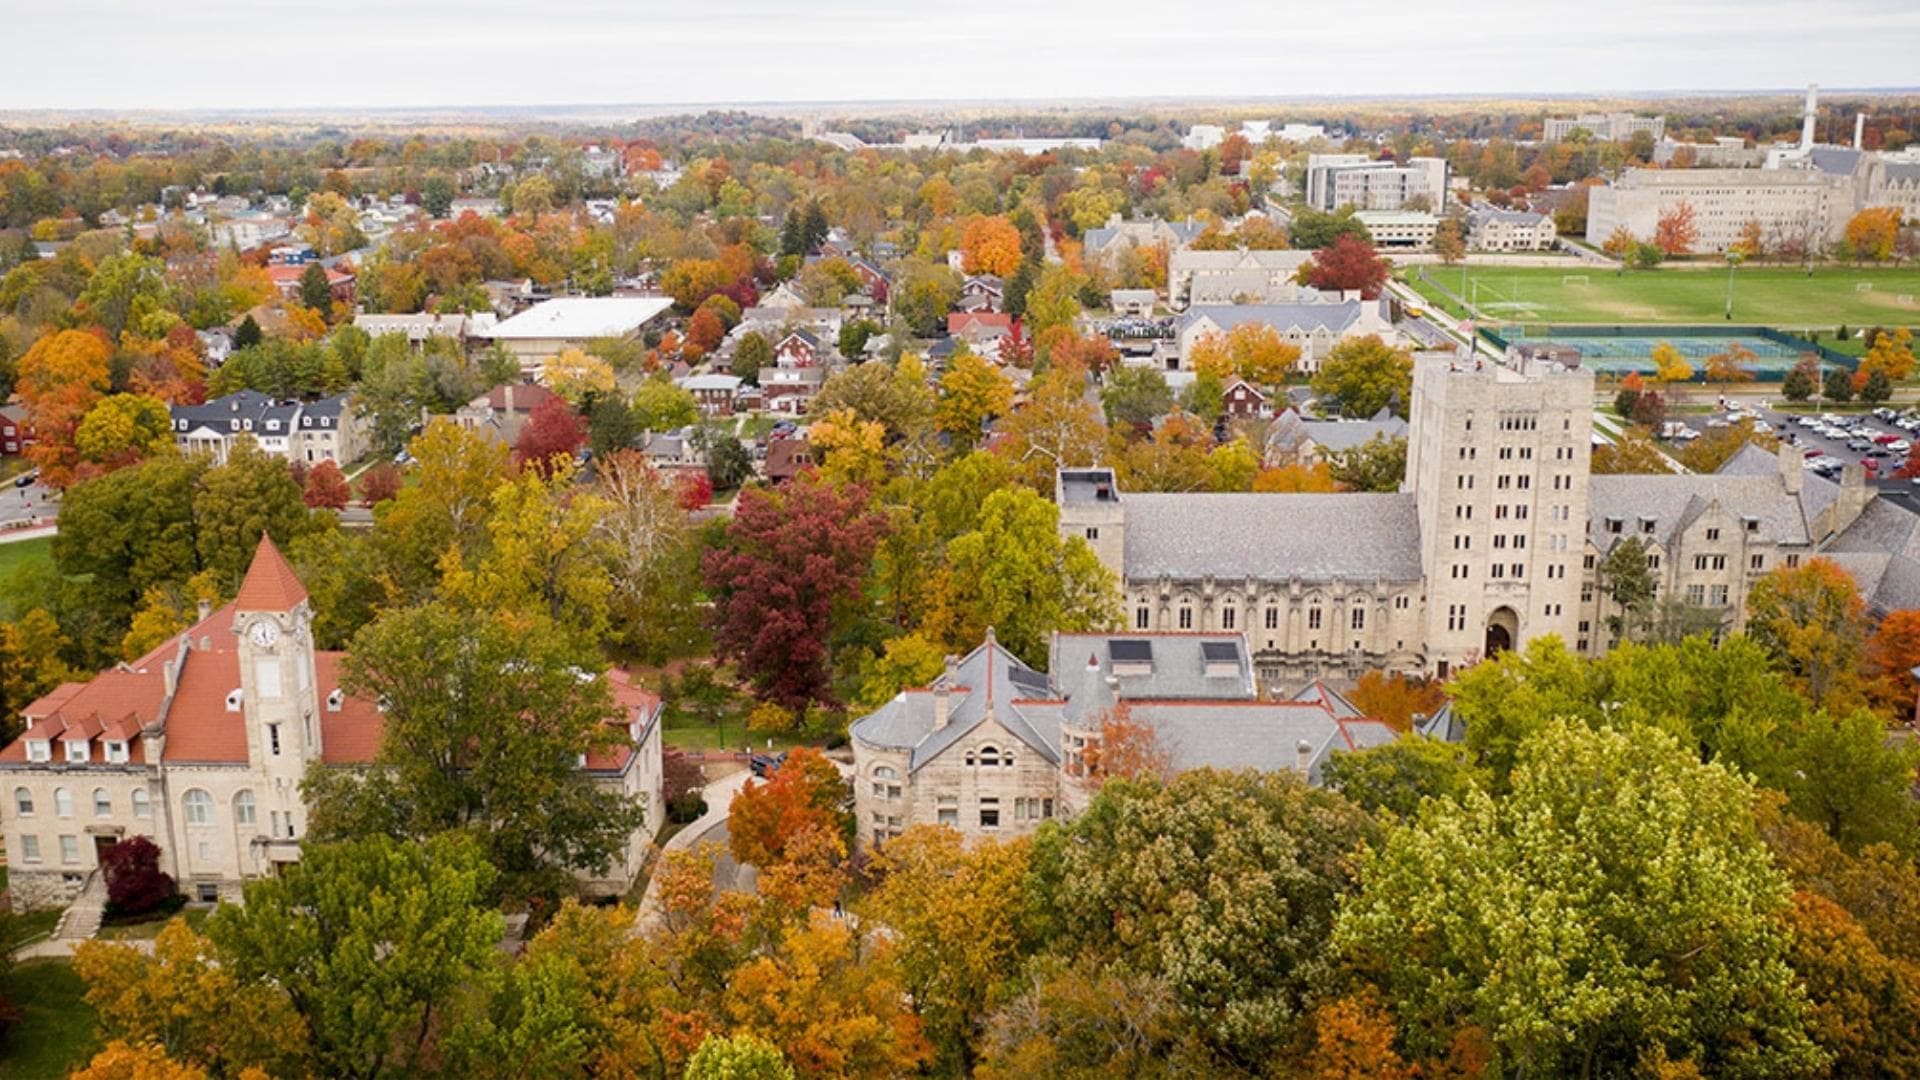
(1829,444)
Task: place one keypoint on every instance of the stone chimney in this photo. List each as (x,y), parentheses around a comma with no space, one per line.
(1792,471)
(509,399)
(1859,128)
(1854,497)
(1303,757)
(943,695)
(206,610)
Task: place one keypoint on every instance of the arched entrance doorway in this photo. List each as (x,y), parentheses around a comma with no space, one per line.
(1503,626)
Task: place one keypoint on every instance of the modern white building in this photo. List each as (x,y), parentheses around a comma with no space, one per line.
(1606,127)
(548,329)
(1337,180)
(1490,228)
(1400,230)
(1804,207)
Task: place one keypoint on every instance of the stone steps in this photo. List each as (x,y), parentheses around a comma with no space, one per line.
(82,918)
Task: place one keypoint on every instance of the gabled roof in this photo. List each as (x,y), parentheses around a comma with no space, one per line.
(270,584)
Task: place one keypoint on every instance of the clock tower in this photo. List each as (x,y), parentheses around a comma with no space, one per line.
(273,621)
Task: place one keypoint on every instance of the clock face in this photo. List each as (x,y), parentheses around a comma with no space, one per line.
(264,633)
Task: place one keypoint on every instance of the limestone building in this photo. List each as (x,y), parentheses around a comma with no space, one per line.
(1356,180)
(994,748)
(201,746)
(1605,127)
(1802,207)
(1497,537)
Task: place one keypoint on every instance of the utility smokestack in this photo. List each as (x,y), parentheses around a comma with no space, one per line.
(1859,128)
(1806,122)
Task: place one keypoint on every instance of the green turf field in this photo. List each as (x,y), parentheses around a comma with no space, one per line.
(1767,296)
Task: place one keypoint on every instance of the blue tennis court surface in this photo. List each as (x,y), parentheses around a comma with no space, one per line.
(1620,352)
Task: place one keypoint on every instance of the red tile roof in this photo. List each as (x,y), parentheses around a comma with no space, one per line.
(271,584)
(350,736)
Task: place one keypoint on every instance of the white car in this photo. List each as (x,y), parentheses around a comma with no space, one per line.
(1899,446)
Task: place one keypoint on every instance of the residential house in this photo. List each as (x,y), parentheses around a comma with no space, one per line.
(202,744)
(1313,328)
(713,393)
(330,429)
(673,451)
(502,412)
(1293,439)
(983,331)
(14,435)
(787,458)
(1244,401)
(1228,277)
(982,292)
(992,747)
(1133,303)
(286,278)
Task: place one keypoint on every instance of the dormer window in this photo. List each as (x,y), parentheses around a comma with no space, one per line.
(76,751)
(39,750)
(335,699)
(116,752)
(234,697)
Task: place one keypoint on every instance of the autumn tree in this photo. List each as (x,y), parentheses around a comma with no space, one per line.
(59,380)
(1253,351)
(327,487)
(1395,700)
(1450,242)
(1366,375)
(972,393)
(1296,478)
(1669,365)
(990,245)
(804,794)
(1057,428)
(1436,917)
(574,375)
(1348,264)
(954,911)
(554,430)
(1802,381)
(1379,465)
(1124,748)
(1732,365)
(1872,232)
(788,560)
(1813,622)
(752,353)
(1890,352)
(1675,232)
(124,428)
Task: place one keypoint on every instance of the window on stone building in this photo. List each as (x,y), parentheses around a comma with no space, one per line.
(1359,621)
(243,812)
(1793,561)
(1141,618)
(1757,562)
(1313,618)
(989,757)
(62,802)
(1186,618)
(1713,534)
(1717,596)
(142,803)
(29,848)
(116,753)
(990,813)
(198,807)
(1273,618)
(102,803)
(69,849)
(1696,595)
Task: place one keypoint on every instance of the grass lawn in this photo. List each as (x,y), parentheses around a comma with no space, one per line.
(1780,297)
(56,1032)
(708,737)
(23,552)
(146,931)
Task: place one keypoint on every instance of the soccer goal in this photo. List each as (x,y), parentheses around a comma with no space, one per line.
(1905,299)
(1573,279)
(1863,286)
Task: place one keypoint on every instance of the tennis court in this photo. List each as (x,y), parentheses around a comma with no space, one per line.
(1617,352)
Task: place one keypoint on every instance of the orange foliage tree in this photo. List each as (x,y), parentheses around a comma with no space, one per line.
(1394,699)
(60,379)
(804,793)
(990,245)
(1353,1040)
(1675,233)
(1127,748)
(1296,478)
(1892,653)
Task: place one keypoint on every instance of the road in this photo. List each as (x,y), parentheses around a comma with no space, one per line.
(27,503)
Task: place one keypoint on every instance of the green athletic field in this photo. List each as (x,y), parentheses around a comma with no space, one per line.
(1767,296)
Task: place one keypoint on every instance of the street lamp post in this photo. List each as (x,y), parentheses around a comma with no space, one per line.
(1733,260)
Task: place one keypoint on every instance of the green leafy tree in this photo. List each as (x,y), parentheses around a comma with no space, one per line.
(486,718)
(729,463)
(1379,464)
(738,1057)
(1136,396)
(1016,574)
(370,940)
(314,291)
(972,393)
(1134,884)
(131,530)
(1366,375)
(752,353)
(1398,777)
(1618,902)
(1838,386)
(252,493)
(129,291)
(1627,581)
(661,406)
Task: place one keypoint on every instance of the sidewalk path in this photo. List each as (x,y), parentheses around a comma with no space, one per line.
(719,798)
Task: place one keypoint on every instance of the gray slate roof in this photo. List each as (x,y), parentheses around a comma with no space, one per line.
(1335,316)
(1347,536)
(1673,502)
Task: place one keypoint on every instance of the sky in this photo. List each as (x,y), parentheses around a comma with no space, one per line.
(250,54)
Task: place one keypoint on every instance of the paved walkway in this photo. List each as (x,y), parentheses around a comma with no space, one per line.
(719,797)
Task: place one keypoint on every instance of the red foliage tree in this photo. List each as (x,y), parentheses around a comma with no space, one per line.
(1348,263)
(380,483)
(803,795)
(135,883)
(694,490)
(790,557)
(1675,233)
(327,486)
(554,430)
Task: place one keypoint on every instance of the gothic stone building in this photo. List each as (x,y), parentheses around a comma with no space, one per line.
(201,746)
(1496,537)
(993,747)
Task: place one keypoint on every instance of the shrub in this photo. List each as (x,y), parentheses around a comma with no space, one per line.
(135,883)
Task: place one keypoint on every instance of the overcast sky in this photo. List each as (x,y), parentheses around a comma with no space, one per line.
(303,53)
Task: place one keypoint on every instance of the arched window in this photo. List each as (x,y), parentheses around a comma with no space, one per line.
(63,802)
(142,803)
(989,757)
(243,808)
(102,803)
(885,772)
(23,802)
(198,806)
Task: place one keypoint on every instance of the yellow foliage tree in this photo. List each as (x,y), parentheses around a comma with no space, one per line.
(1296,478)
(1891,354)
(573,375)
(971,392)
(1252,351)
(990,245)
(1872,232)
(851,450)
(1669,366)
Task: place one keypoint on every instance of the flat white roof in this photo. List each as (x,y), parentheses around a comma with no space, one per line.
(584,317)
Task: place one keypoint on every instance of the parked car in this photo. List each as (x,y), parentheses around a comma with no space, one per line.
(27,478)
(1886,438)
(766,764)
